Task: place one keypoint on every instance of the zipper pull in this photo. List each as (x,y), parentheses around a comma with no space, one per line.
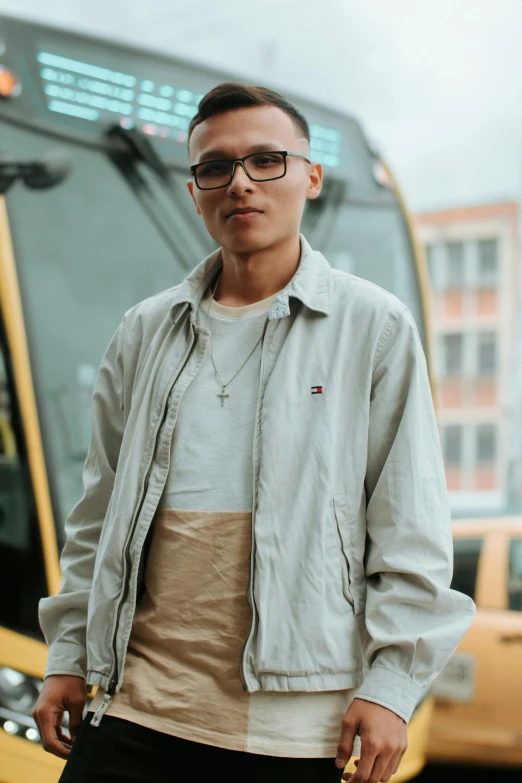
(102,709)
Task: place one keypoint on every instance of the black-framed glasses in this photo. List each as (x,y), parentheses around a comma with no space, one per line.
(258,166)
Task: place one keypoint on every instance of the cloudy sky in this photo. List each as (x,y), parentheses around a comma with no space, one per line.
(436,83)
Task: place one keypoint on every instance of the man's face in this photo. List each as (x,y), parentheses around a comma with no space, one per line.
(280,203)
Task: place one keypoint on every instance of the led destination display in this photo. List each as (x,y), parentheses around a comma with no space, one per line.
(94,93)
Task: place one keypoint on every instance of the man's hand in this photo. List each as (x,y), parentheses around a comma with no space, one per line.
(383,742)
(60,693)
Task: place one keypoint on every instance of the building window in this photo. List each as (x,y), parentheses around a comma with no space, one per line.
(488,263)
(487,353)
(452,445)
(466,557)
(454,265)
(486,444)
(453,352)
(515,575)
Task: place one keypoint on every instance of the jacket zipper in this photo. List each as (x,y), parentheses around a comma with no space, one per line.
(102,709)
(251,560)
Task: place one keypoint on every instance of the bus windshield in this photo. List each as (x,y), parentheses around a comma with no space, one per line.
(90,248)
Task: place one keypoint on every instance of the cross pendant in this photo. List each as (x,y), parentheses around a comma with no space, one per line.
(223,394)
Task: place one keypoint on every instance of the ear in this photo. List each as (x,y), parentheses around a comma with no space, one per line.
(316,181)
(190,186)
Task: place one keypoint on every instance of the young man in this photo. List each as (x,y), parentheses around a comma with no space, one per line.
(259,568)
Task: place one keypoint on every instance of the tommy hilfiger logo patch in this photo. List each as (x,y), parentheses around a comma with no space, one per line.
(317,389)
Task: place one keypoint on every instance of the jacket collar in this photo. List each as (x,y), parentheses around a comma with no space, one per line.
(311,284)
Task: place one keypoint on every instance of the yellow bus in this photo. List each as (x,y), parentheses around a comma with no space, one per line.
(94,217)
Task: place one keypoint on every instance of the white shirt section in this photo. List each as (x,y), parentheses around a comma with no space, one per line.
(212,443)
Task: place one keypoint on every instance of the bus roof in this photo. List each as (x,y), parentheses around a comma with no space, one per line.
(77,83)
(136,46)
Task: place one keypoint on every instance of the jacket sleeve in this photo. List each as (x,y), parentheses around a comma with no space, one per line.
(413,619)
(63,617)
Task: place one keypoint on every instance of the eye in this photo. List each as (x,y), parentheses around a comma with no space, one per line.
(213,167)
(267,159)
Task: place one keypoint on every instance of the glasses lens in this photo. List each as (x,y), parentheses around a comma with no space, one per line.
(265,165)
(214,174)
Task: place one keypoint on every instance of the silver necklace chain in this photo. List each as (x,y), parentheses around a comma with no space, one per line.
(222,393)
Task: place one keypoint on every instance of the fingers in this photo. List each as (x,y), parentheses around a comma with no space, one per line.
(383,742)
(391,768)
(400,755)
(345,746)
(75,716)
(53,739)
(61,736)
(348,775)
(60,693)
(374,767)
(403,751)
(383,768)
(366,763)
(379,769)
(378,772)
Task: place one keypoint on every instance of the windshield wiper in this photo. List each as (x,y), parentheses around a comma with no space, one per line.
(45,172)
(131,152)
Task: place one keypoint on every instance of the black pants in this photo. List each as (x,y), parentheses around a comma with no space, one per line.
(118,751)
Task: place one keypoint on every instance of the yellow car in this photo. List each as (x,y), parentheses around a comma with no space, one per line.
(478,708)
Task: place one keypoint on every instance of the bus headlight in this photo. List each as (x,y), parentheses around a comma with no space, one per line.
(18,692)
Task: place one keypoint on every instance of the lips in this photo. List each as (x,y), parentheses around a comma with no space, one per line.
(244,211)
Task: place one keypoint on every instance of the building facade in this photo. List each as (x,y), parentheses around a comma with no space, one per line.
(472,255)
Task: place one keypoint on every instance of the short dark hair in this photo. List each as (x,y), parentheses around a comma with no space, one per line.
(234,95)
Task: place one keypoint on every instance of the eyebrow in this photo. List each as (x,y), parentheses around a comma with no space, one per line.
(267,146)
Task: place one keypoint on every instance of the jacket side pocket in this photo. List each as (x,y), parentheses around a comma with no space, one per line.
(342,555)
(345,533)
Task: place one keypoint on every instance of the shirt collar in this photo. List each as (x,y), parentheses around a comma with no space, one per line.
(311,284)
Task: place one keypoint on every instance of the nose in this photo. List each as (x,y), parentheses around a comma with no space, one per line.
(240,182)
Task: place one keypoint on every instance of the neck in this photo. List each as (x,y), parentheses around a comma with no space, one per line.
(250,277)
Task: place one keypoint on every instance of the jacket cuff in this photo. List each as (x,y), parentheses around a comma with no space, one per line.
(67,658)
(392,690)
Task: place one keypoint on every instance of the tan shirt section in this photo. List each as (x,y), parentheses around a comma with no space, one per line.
(182,667)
